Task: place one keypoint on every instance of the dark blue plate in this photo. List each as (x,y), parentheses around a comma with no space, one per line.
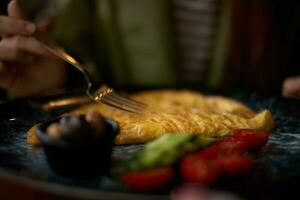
(275,175)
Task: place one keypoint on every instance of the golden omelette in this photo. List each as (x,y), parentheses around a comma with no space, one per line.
(185,112)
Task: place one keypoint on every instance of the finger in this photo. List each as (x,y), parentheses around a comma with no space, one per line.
(9,26)
(291,87)
(5,69)
(15,55)
(14,10)
(27,44)
(7,74)
(1,68)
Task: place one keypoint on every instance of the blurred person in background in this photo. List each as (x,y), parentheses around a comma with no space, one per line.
(251,45)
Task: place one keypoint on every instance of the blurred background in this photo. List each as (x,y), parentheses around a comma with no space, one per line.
(251,45)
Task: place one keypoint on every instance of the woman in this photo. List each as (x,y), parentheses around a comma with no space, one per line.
(27,69)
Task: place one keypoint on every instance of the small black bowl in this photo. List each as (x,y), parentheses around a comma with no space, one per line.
(76,160)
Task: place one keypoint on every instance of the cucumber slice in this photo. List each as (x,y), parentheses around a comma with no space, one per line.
(167,149)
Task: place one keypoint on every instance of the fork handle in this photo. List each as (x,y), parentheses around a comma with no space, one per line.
(62,54)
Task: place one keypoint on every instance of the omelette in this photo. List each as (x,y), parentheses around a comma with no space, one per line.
(178,111)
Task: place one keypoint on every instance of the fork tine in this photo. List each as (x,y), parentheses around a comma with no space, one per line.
(118,106)
(123,103)
(128,99)
(109,97)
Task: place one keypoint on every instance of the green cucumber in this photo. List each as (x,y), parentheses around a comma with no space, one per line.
(167,149)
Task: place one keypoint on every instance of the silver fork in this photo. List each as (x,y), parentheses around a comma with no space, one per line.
(105,94)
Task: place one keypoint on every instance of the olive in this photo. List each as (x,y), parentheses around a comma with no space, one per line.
(97,122)
(55,131)
(76,128)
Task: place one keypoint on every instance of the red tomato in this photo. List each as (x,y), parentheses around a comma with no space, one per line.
(208,153)
(235,165)
(226,156)
(148,180)
(253,139)
(198,170)
(226,146)
(230,146)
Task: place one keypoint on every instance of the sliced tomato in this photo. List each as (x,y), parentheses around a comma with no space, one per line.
(226,146)
(230,146)
(235,165)
(208,153)
(148,180)
(226,156)
(198,170)
(253,139)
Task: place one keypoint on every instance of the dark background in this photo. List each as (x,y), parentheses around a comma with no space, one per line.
(264,44)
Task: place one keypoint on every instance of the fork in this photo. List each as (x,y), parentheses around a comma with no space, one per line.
(105,94)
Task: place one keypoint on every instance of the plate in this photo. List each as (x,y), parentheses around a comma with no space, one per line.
(275,174)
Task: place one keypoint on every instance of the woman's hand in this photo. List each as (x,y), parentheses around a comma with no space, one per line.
(291,87)
(26,68)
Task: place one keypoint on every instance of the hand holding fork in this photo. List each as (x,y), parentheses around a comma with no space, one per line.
(105,94)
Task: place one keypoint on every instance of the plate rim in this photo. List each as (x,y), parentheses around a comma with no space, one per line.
(65,191)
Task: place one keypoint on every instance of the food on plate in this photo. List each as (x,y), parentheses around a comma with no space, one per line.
(229,156)
(78,128)
(171,111)
(55,131)
(168,148)
(97,122)
(71,128)
(32,135)
(189,137)
(75,147)
(149,180)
